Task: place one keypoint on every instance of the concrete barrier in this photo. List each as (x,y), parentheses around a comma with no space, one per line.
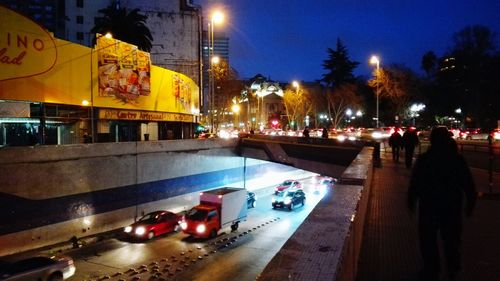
(327,244)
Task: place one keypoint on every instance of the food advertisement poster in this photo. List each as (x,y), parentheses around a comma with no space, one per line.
(124,71)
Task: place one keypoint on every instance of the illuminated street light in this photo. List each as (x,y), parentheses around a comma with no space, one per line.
(296,85)
(215,60)
(375,60)
(415,109)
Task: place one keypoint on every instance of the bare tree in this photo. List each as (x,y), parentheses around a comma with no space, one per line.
(397,84)
(339,100)
(227,86)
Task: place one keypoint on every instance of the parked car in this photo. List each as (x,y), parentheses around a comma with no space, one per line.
(287,184)
(251,200)
(39,268)
(153,224)
(474,134)
(288,199)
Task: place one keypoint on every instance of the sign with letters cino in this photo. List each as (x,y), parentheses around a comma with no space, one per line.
(26,49)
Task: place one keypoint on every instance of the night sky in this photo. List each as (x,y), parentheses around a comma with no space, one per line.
(287,39)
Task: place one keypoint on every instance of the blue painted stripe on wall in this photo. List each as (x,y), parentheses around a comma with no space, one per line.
(18,214)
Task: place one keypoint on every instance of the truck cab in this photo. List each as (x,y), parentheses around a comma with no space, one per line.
(204,221)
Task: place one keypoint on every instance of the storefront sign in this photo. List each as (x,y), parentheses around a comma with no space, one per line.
(112,114)
(26,49)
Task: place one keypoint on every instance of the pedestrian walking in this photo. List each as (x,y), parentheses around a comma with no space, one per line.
(410,141)
(439,181)
(395,142)
(305,133)
(324,133)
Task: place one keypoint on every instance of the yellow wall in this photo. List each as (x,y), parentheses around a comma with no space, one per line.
(63,72)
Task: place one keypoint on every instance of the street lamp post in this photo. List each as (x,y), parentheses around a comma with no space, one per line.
(375,60)
(217,17)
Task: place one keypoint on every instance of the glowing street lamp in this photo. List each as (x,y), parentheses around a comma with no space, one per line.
(375,60)
(296,85)
(415,109)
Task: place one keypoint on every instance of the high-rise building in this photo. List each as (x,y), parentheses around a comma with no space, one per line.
(220,49)
(48,13)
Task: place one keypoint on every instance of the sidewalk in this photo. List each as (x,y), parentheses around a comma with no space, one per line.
(390,245)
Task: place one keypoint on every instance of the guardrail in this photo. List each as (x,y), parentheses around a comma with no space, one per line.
(479,154)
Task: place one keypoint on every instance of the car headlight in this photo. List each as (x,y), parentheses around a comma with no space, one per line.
(184,225)
(287,201)
(140,230)
(201,228)
(273,200)
(341,138)
(128,229)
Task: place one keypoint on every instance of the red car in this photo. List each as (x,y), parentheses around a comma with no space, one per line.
(288,184)
(153,224)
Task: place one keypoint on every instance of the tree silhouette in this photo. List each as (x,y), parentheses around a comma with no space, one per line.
(125,26)
(430,63)
(469,82)
(340,68)
(339,81)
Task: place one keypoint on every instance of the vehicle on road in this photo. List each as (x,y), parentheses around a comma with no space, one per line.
(251,200)
(288,199)
(218,208)
(287,184)
(39,268)
(323,183)
(495,134)
(474,134)
(153,224)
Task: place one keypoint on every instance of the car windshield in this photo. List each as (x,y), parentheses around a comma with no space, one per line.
(284,193)
(196,215)
(150,218)
(287,183)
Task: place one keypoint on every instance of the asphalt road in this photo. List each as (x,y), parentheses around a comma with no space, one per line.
(239,255)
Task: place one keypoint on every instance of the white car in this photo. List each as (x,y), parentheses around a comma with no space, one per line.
(39,268)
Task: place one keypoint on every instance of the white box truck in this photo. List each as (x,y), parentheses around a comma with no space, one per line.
(218,208)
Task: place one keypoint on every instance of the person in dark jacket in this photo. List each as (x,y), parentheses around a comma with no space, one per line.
(439,181)
(305,133)
(410,141)
(324,133)
(395,142)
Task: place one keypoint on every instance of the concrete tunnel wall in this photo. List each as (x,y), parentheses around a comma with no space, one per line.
(49,194)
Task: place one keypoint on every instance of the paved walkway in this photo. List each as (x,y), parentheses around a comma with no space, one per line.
(390,246)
